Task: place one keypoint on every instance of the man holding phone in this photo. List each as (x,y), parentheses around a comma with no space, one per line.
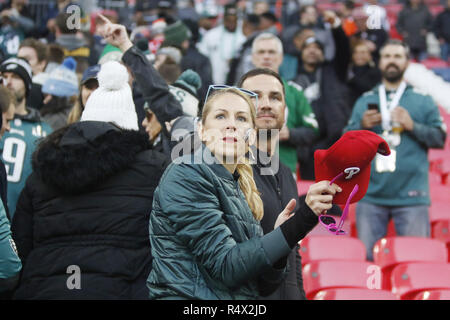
(411,124)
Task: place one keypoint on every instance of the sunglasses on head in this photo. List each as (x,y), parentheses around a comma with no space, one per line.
(329,222)
(222,86)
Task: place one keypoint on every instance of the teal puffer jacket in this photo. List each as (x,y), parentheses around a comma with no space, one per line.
(205,242)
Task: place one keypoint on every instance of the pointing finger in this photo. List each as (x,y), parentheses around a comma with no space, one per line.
(105,19)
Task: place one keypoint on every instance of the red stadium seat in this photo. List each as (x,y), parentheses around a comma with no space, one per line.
(439,210)
(331,247)
(393,9)
(433,295)
(432,63)
(432,3)
(448,250)
(354,294)
(328,274)
(351,218)
(439,192)
(392,251)
(440,230)
(410,278)
(303,186)
(327,6)
(435,10)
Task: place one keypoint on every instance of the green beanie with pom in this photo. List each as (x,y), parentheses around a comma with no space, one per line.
(185,91)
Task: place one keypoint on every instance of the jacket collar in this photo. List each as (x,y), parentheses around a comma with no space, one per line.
(205,156)
(33,115)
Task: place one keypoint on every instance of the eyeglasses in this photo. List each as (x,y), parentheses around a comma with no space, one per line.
(329,222)
(222,86)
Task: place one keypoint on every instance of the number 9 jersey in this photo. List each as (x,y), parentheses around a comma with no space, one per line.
(18,146)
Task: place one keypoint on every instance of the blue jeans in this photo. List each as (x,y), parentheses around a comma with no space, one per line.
(372,222)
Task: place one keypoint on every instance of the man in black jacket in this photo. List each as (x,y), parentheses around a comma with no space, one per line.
(323,84)
(273,179)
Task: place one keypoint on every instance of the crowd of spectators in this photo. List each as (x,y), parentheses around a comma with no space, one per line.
(328,58)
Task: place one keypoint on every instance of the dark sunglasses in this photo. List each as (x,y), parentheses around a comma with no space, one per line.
(222,86)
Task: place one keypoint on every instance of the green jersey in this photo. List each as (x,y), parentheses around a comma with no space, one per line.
(298,115)
(18,146)
(407,185)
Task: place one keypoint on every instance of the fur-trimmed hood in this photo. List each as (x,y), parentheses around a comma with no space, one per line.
(80,156)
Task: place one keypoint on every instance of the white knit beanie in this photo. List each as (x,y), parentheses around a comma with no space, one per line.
(112,101)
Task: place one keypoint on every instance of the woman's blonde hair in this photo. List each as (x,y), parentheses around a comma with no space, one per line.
(246,181)
(75,113)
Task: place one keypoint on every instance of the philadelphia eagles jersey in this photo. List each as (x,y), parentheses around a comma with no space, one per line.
(18,146)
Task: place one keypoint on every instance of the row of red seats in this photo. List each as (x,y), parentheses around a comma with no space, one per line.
(404,268)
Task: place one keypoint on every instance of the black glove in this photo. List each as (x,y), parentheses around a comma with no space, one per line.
(297,227)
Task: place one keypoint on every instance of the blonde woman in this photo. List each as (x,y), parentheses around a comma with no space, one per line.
(205,234)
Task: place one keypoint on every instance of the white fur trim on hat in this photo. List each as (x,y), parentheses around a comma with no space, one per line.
(112,101)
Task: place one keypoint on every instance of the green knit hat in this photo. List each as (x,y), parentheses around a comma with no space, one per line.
(185,91)
(110,53)
(175,34)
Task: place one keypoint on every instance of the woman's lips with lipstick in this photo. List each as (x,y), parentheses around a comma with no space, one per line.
(229,139)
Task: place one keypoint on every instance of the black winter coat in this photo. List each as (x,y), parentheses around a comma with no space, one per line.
(276,190)
(87,204)
(332,112)
(360,80)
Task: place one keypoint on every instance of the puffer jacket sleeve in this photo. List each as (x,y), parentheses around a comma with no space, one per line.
(192,206)
(155,90)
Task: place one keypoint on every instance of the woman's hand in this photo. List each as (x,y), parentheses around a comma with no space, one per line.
(115,34)
(320,196)
(286,214)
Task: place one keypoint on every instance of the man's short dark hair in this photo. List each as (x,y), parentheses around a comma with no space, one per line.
(38,46)
(305,7)
(396,42)
(349,4)
(259,71)
(61,23)
(252,19)
(55,53)
(269,16)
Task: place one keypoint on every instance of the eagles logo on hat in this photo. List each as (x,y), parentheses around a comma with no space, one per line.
(20,67)
(349,158)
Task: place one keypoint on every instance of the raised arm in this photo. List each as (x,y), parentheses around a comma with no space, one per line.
(152,85)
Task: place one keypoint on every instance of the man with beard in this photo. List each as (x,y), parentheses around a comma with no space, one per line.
(410,122)
(26,128)
(301,126)
(274,179)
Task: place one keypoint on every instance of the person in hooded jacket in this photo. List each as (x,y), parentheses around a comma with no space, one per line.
(85,208)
